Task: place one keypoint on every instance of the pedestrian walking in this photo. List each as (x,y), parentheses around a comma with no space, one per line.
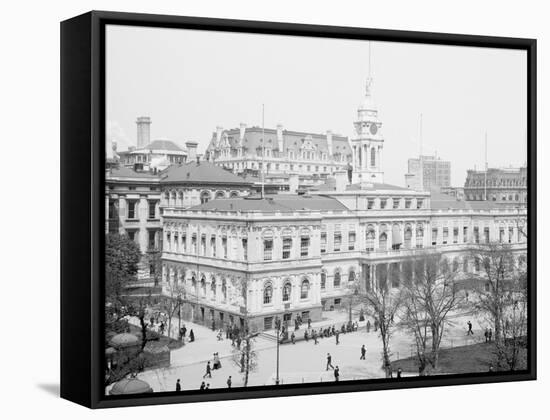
(208,371)
(469,329)
(184,330)
(178,385)
(486,335)
(229,382)
(490,335)
(337,374)
(292,338)
(309,323)
(329,361)
(191,336)
(375,325)
(306,336)
(399,372)
(337,336)
(315,337)
(363,352)
(368,326)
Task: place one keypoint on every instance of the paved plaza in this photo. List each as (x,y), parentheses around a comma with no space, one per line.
(298,363)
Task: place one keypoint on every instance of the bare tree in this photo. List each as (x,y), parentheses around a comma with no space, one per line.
(493,275)
(502,296)
(175,294)
(244,355)
(383,304)
(510,350)
(429,297)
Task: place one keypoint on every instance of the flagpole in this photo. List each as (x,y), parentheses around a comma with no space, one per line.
(486,166)
(263,150)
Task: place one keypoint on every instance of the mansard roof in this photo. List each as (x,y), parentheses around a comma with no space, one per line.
(200,172)
(441,201)
(125,172)
(164,145)
(292,140)
(276,203)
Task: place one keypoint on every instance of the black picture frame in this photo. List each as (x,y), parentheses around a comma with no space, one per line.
(83,210)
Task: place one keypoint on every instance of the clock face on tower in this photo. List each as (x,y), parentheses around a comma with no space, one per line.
(373,129)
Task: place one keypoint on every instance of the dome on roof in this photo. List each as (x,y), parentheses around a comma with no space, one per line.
(130,386)
(124,340)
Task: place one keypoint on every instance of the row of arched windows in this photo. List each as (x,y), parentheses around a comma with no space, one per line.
(286,292)
(172,197)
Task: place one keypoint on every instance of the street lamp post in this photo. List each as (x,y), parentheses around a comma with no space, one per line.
(278,326)
(179,313)
(355,293)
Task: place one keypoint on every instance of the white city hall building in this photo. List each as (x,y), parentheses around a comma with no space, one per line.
(251,259)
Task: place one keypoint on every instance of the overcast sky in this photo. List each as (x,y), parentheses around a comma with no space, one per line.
(189,82)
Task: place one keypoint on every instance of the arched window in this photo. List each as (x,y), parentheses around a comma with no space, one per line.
(287,288)
(373,157)
(383,241)
(268,293)
(408,236)
(455,264)
(370,240)
(419,236)
(337,278)
(205,197)
(323,280)
(213,287)
(220,194)
(224,289)
(304,289)
(351,276)
(203,286)
(234,194)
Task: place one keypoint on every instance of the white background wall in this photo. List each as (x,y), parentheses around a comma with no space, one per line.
(29,96)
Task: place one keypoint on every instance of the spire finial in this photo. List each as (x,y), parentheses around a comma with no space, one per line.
(369,78)
(369,57)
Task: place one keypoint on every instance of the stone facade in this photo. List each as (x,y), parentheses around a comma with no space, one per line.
(301,262)
(505,186)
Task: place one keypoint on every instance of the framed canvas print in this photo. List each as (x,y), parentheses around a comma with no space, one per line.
(256,209)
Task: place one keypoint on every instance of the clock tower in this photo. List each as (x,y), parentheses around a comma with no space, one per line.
(368,143)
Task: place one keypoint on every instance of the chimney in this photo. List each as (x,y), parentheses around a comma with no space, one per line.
(243,130)
(218,135)
(341,178)
(191,150)
(329,142)
(280,142)
(293,182)
(143,131)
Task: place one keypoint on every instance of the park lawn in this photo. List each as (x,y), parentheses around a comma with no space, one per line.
(472,358)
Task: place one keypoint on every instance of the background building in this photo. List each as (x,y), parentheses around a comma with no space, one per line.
(312,156)
(505,186)
(157,154)
(428,172)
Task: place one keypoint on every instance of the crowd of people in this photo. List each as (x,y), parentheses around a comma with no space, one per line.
(330,331)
